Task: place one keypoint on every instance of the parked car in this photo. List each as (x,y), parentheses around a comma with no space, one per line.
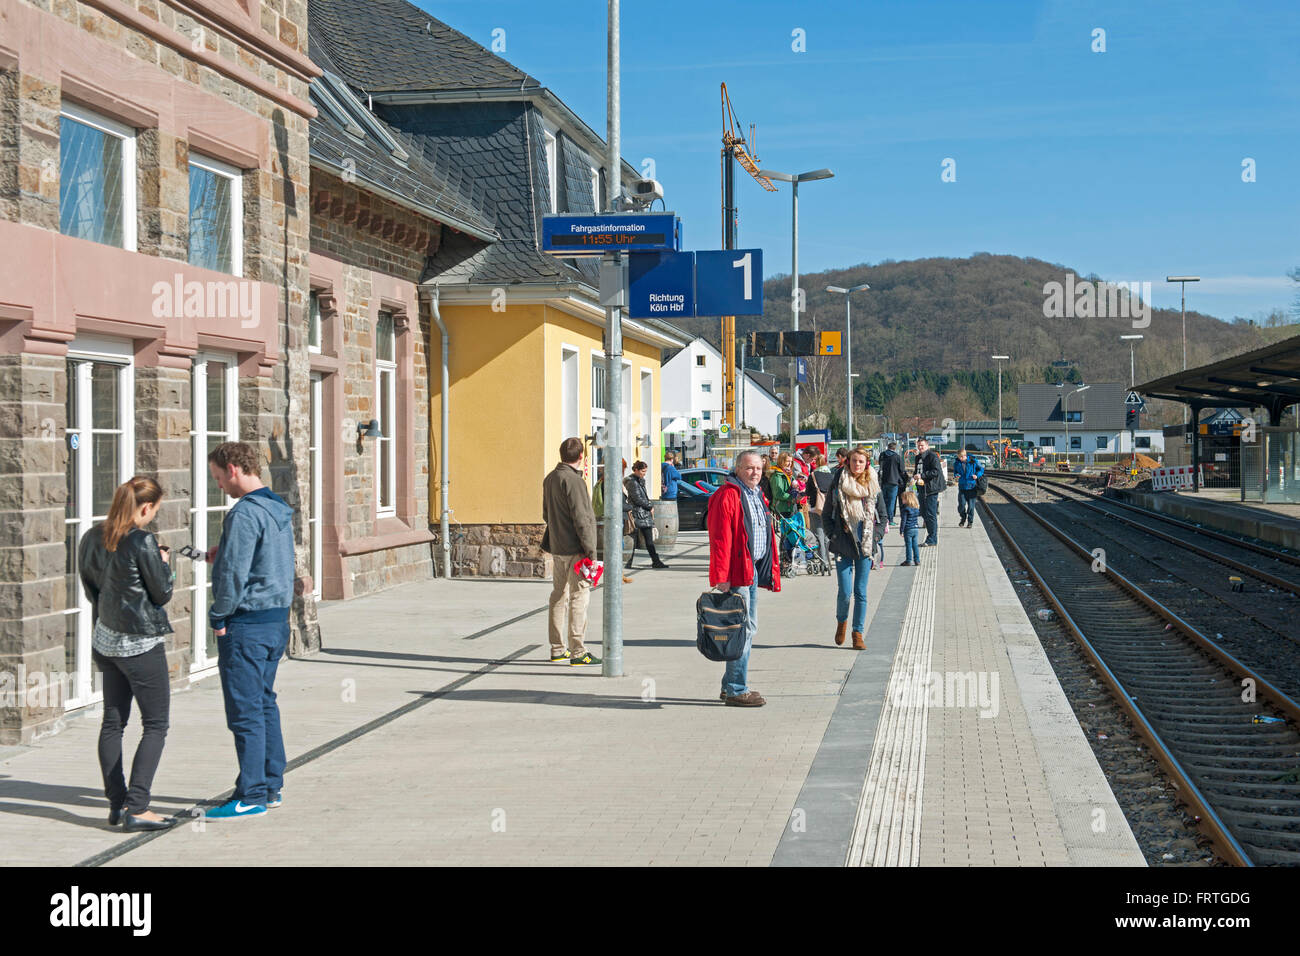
(693,496)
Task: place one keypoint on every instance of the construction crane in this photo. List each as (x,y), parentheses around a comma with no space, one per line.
(734,149)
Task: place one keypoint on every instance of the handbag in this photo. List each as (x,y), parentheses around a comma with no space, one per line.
(721,622)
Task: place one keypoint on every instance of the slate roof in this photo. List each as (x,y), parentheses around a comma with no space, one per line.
(392,45)
(1102,405)
(340,141)
(491,153)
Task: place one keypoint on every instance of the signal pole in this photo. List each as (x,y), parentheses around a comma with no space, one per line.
(612,636)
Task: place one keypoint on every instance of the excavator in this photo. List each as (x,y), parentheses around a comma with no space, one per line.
(1004,450)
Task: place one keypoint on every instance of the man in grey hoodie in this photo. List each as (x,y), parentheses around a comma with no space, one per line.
(252,591)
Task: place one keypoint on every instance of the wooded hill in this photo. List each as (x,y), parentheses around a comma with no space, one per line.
(925,331)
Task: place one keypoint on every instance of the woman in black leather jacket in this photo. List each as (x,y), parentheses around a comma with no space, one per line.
(643,521)
(127,578)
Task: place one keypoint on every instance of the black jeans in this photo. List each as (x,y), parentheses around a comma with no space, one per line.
(142,677)
(646,535)
(930,514)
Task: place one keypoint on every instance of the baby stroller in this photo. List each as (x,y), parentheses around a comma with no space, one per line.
(799,554)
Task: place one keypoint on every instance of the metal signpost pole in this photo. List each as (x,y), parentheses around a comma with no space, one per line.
(794,307)
(612,643)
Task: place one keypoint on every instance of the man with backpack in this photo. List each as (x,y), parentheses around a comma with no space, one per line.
(970,475)
(893,476)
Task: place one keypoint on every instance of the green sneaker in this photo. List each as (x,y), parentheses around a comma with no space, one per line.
(584,660)
(562,656)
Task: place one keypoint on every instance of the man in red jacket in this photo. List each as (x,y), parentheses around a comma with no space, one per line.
(742,558)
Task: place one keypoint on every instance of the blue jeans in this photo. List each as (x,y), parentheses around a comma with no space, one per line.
(966,498)
(912,547)
(736,676)
(891,499)
(248,656)
(852,575)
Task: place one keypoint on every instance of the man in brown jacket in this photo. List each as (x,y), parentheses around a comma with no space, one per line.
(570,536)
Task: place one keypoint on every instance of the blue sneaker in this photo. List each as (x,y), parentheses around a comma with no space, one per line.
(273,799)
(234,809)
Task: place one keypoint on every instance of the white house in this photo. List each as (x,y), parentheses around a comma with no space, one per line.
(760,408)
(1082,420)
(692,388)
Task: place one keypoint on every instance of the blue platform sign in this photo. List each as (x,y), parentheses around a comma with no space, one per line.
(661,285)
(611,232)
(729,282)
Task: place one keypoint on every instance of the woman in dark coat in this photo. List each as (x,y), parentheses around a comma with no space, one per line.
(854,507)
(643,518)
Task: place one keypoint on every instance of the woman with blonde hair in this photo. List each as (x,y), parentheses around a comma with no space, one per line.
(127,579)
(853,508)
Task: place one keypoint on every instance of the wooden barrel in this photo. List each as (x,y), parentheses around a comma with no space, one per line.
(665,514)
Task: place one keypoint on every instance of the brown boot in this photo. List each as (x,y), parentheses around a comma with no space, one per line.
(858,644)
(839,631)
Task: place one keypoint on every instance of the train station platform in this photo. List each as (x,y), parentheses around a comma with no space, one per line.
(432,729)
(971,752)
(1222,510)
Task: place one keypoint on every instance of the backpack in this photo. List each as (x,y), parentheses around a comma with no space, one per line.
(720,625)
(981,484)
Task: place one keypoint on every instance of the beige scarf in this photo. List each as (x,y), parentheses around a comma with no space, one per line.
(856,504)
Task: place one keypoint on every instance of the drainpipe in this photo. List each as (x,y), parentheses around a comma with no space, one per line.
(444,532)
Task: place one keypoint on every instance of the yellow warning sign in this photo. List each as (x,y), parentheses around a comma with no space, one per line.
(828,343)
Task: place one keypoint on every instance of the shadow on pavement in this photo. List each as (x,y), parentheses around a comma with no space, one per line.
(569,700)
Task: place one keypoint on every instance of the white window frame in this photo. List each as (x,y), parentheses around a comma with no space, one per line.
(1047,441)
(595,188)
(386,380)
(552,166)
(313,301)
(236,177)
(126,134)
(199,660)
(315,451)
(570,429)
(90,349)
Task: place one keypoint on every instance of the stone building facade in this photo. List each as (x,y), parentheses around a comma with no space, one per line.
(154,295)
(367,255)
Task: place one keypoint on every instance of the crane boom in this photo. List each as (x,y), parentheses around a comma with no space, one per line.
(734,148)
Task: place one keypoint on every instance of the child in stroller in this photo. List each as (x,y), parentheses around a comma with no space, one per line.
(799,551)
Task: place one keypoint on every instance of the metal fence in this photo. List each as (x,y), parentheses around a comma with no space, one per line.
(1270,466)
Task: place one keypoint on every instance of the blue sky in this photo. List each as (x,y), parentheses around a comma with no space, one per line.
(1127,163)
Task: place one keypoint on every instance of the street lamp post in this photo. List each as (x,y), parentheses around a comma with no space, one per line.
(794,179)
(848,345)
(1182,281)
(1000,359)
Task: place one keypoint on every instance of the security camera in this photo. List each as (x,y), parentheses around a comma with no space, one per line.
(643,192)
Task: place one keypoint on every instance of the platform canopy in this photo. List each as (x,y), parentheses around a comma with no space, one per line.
(1264,378)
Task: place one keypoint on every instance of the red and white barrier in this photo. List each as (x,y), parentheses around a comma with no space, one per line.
(1172,478)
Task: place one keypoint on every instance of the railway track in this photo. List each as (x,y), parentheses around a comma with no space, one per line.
(1272,565)
(1182,690)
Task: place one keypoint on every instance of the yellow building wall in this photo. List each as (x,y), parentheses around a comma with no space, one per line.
(495,424)
(568,331)
(506,407)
